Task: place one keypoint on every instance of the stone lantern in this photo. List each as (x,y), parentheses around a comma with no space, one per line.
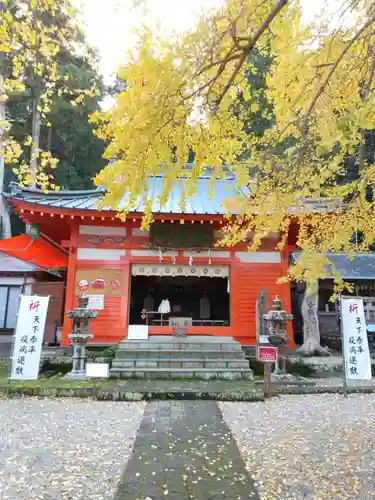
(80,335)
(277,326)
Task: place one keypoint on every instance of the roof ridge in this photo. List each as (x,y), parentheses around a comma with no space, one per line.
(16,188)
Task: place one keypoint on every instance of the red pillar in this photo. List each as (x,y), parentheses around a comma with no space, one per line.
(69,295)
(286,295)
(125,299)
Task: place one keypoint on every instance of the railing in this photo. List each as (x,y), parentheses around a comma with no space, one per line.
(162,321)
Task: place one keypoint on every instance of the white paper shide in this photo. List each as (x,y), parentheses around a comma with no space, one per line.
(356,351)
(28,337)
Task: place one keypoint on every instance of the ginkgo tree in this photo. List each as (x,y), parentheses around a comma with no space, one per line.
(32,34)
(180,95)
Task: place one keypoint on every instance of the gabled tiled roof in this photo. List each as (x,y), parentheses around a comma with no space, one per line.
(84,200)
(208,199)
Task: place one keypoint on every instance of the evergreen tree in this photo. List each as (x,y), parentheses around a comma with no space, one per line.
(65,132)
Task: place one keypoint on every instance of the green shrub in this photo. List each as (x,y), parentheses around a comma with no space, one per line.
(109,352)
(299,369)
(57,367)
(256,366)
(293,368)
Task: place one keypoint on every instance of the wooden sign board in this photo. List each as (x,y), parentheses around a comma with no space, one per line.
(267,354)
(107,282)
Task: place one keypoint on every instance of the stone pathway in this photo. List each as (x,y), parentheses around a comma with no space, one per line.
(295,447)
(184,450)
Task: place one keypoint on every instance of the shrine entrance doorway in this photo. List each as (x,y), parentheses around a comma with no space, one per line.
(192,300)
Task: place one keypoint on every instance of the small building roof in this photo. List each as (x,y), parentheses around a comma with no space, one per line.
(208,198)
(361,266)
(10,264)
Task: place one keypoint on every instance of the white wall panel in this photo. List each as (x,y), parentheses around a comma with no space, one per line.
(100,253)
(259,257)
(136,231)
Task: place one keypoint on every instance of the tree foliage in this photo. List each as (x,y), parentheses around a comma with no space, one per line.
(69,137)
(183,95)
(33,34)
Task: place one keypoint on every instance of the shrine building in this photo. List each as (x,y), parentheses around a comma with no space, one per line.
(128,272)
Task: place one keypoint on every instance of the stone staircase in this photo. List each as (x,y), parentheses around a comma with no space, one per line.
(165,357)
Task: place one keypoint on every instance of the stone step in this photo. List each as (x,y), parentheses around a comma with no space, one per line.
(179,373)
(212,339)
(177,345)
(176,353)
(147,363)
(195,356)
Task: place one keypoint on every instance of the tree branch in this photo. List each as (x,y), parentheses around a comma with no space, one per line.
(365,96)
(330,73)
(249,47)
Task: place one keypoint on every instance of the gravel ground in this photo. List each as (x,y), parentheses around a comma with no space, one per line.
(64,449)
(307,447)
(337,381)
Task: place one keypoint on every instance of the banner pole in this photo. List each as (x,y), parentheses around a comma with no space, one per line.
(345,382)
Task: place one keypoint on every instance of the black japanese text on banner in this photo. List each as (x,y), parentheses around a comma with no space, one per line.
(29,337)
(355,343)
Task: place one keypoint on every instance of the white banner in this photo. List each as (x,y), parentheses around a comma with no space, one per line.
(28,340)
(356,351)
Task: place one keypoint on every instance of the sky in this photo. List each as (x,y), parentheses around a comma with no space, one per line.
(110,23)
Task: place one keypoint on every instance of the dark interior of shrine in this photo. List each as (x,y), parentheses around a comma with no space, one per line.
(203,301)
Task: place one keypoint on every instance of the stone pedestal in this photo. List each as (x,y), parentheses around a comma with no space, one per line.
(80,335)
(79,342)
(277,323)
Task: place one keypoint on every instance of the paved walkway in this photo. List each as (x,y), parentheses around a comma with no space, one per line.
(184,450)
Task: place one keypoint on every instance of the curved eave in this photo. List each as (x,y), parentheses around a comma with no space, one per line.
(27,211)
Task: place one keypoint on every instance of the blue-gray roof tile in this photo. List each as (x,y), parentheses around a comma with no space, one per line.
(208,198)
(361,266)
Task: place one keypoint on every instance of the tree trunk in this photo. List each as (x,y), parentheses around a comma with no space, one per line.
(311,335)
(49,139)
(35,135)
(5,228)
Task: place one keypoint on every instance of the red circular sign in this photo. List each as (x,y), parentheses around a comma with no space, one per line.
(114,284)
(98,284)
(83,285)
